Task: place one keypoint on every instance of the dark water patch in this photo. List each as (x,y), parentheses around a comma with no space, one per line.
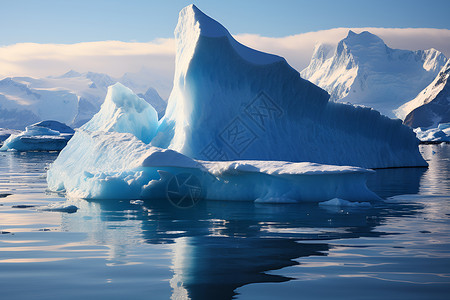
(23,206)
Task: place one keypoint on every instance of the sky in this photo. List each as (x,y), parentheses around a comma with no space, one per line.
(50,37)
(64,21)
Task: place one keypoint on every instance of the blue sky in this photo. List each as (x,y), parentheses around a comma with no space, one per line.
(61,21)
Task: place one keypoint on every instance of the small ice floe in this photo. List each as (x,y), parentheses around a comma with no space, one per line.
(344,203)
(23,206)
(137,202)
(60,207)
(4,195)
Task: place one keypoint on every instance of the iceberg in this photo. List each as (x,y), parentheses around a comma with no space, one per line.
(230,102)
(123,111)
(240,125)
(434,135)
(100,162)
(39,137)
(55,125)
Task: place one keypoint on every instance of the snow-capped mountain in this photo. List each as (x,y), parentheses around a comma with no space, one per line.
(363,70)
(139,82)
(432,105)
(72,98)
(152,97)
(22,105)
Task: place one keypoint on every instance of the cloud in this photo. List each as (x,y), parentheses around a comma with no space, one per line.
(111,57)
(297,49)
(115,57)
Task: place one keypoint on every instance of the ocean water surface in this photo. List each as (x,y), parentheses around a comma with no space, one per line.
(398,248)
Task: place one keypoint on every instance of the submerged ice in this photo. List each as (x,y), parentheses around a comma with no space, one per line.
(240,125)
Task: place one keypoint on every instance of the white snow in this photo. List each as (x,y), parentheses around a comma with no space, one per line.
(227,106)
(363,70)
(432,105)
(21,105)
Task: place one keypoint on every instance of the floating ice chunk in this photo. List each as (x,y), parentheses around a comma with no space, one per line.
(60,207)
(123,111)
(434,135)
(36,138)
(137,202)
(344,203)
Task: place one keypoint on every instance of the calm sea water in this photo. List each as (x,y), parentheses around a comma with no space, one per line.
(397,249)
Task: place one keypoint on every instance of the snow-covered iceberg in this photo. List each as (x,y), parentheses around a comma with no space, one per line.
(434,135)
(231,102)
(240,125)
(108,159)
(39,137)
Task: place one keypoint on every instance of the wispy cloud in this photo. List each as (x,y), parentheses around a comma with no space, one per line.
(111,57)
(116,58)
(297,49)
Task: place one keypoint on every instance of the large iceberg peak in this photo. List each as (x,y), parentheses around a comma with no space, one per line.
(193,23)
(230,102)
(125,112)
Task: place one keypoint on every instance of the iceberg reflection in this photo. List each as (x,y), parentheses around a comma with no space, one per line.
(220,246)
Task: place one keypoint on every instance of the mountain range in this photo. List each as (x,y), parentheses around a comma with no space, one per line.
(72,98)
(363,70)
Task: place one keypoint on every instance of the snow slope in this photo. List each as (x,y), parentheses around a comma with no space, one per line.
(363,70)
(432,105)
(108,159)
(21,105)
(230,102)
